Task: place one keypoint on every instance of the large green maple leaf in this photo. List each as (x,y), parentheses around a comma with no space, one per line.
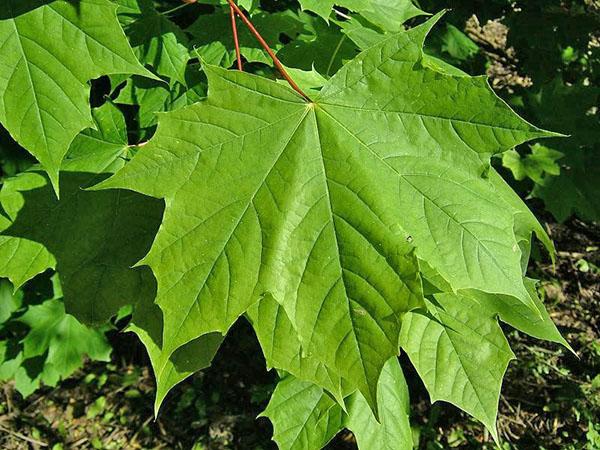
(325,205)
(49,50)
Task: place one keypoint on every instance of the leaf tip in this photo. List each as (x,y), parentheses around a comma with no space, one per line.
(54,176)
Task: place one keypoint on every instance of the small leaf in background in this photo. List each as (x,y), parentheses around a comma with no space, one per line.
(156,40)
(51,347)
(537,165)
(62,336)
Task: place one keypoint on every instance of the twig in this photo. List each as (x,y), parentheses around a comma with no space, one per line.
(335,53)
(341,14)
(236,40)
(8,395)
(80,442)
(264,45)
(146,422)
(177,8)
(23,437)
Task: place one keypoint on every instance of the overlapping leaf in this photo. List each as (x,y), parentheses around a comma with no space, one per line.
(212,37)
(44,95)
(156,40)
(305,418)
(388,15)
(450,345)
(94,237)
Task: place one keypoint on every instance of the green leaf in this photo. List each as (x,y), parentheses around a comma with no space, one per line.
(321,7)
(305,418)
(389,15)
(575,190)
(151,97)
(156,40)
(62,336)
(392,431)
(10,300)
(325,204)
(534,323)
(95,237)
(44,93)
(170,369)
(26,374)
(21,259)
(541,162)
(453,45)
(320,46)
(460,353)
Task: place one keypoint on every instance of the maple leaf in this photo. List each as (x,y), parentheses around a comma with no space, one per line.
(465,337)
(304,417)
(91,238)
(53,347)
(388,15)
(326,204)
(44,95)
(156,40)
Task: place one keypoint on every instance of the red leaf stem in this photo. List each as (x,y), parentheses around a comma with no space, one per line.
(264,45)
(236,39)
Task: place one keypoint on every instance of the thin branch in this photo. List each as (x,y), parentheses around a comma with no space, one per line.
(236,40)
(264,45)
(23,437)
(341,14)
(335,53)
(177,8)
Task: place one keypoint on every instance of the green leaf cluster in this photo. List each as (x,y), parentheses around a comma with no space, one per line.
(41,344)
